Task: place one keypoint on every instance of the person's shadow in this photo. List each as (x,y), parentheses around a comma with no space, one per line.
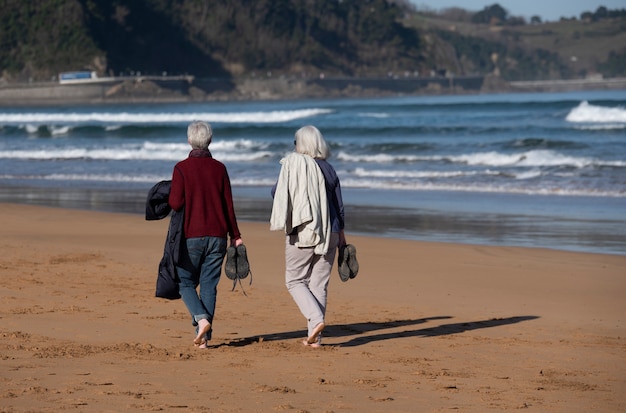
(360,330)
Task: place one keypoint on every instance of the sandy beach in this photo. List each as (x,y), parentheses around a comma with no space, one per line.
(424,327)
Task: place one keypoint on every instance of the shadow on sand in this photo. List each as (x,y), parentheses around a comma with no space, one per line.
(359,332)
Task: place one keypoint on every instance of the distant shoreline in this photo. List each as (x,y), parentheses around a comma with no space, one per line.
(145,89)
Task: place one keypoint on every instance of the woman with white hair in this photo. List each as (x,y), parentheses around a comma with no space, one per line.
(200,185)
(308,206)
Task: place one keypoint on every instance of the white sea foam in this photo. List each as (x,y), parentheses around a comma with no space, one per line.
(399,175)
(219,145)
(534,158)
(608,126)
(379,115)
(58,130)
(31,128)
(488,158)
(226,151)
(378,158)
(229,145)
(481,187)
(130,178)
(530,174)
(123,118)
(243,156)
(53,130)
(153,146)
(367,173)
(588,113)
(106,177)
(252,182)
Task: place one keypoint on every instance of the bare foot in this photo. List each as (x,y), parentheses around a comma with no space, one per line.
(203,327)
(314,345)
(313,338)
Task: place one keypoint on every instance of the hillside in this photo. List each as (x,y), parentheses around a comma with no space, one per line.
(566,49)
(294,38)
(205,38)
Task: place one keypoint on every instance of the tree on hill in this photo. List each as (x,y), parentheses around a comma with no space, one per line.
(603,13)
(615,65)
(494,14)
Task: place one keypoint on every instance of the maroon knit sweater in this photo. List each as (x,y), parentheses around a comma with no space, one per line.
(201,184)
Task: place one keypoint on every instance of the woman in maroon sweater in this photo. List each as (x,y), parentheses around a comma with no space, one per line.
(200,185)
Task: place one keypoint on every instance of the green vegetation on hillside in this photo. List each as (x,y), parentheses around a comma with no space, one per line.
(570,48)
(305,38)
(40,38)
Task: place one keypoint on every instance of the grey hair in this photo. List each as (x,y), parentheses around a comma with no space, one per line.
(199,134)
(309,141)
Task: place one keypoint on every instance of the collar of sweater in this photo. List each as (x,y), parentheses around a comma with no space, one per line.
(200,153)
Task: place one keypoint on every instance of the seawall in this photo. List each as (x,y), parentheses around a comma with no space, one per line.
(189,89)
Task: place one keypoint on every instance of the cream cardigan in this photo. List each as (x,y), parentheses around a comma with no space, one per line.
(300,202)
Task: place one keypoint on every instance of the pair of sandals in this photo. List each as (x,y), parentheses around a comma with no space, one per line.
(347,264)
(237,266)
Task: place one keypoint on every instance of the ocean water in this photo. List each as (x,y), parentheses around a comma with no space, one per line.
(532,169)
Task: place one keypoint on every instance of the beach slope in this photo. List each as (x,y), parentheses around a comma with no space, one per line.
(424,327)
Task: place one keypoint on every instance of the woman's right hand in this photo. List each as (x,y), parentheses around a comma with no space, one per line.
(342,239)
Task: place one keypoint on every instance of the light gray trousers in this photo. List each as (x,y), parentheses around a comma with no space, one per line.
(306,277)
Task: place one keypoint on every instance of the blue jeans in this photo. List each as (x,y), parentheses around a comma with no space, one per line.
(203,268)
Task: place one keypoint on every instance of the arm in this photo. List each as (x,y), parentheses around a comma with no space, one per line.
(233,228)
(339,205)
(177,192)
(338,198)
(340,214)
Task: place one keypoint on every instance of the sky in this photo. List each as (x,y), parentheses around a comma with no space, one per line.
(548,10)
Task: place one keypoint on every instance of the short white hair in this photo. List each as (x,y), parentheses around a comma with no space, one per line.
(199,134)
(309,141)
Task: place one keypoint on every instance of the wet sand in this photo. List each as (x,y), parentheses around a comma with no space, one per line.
(577,224)
(426,327)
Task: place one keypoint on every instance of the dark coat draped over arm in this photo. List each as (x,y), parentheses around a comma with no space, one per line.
(157,207)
